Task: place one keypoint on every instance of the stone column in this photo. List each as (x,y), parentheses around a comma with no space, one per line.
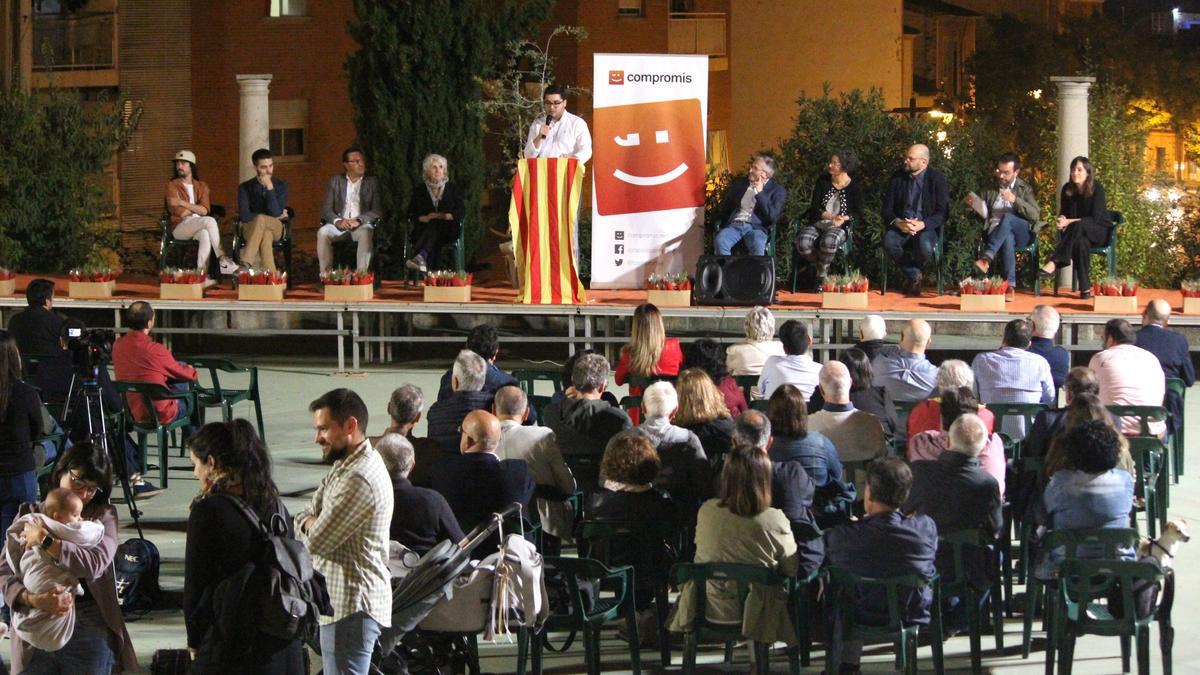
(1072,135)
(254,129)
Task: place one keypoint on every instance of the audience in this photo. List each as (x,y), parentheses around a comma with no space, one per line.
(1128,375)
(794,442)
(952,375)
(702,411)
(857,435)
(929,445)
(138,358)
(36,327)
(872,333)
(628,472)
(1013,375)
(1171,350)
(446,415)
(421,518)
(21,410)
(708,355)
(1045,327)
(484,341)
(1083,408)
(1049,422)
(796,367)
(538,448)
(749,356)
(864,394)
(568,371)
(649,351)
(686,473)
(404,411)
(583,422)
(907,376)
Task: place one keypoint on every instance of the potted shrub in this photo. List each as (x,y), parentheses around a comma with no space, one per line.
(1191,295)
(448,286)
(181,284)
(1115,295)
(261,285)
(669,290)
(345,284)
(847,291)
(982,295)
(92,283)
(8,281)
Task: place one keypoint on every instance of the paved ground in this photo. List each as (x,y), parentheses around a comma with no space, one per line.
(287,391)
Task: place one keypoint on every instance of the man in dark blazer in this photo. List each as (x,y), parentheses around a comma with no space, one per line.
(353,206)
(751,208)
(915,207)
(1171,348)
(36,328)
(446,416)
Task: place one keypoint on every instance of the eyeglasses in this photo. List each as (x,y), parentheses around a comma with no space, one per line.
(84,486)
(555,103)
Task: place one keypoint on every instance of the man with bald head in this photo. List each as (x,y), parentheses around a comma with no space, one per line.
(915,207)
(477,483)
(538,448)
(856,435)
(907,376)
(1171,349)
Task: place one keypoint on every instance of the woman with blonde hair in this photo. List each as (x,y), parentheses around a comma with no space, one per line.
(702,411)
(649,351)
(436,211)
(748,356)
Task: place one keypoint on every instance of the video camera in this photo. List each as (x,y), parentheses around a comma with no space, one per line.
(90,349)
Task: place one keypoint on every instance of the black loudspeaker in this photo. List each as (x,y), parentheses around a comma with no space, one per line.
(735,280)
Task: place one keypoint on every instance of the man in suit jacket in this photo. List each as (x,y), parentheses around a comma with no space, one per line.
(446,416)
(1171,348)
(538,448)
(1011,218)
(353,206)
(1045,326)
(36,328)
(915,207)
(751,208)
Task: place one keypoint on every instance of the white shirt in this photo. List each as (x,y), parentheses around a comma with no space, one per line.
(799,370)
(191,190)
(352,209)
(568,137)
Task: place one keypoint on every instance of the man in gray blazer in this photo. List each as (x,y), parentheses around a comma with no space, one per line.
(353,206)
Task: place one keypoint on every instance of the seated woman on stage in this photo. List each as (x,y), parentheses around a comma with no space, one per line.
(837,205)
(1083,223)
(649,352)
(436,213)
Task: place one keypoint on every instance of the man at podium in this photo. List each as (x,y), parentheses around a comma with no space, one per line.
(751,207)
(559,133)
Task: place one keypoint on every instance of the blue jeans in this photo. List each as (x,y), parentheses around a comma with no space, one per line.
(1013,232)
(90,651)
(346,644)
(16,489)
(911,252)
(733,233)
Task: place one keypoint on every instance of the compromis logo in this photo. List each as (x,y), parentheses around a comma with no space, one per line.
(649,78)
(616,77)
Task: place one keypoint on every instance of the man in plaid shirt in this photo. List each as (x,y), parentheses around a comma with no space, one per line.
(346,530)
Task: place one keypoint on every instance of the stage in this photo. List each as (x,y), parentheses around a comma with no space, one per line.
(366,331)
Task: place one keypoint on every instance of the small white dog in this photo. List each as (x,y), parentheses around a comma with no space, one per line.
(1164,548)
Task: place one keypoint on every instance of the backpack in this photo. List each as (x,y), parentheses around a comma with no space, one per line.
(136,567)
(289,594)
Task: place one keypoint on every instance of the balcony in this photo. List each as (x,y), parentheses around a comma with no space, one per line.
(78,41)
(699,33)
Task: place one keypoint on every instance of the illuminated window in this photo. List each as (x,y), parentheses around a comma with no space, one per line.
(289,126)
(289,7)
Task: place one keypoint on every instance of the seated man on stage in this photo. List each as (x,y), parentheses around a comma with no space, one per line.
(1010,212)
(262,208)
(190,209)
(915,207)
(751,208)
(352,207)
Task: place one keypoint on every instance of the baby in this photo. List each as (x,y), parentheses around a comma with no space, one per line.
(61,517)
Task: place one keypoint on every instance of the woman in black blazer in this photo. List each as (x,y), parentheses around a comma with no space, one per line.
(837,205)
(1083,223)
(436,211)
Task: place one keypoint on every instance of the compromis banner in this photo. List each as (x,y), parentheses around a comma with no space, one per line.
(648,168)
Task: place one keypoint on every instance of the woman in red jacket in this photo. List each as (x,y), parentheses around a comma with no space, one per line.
(649,351)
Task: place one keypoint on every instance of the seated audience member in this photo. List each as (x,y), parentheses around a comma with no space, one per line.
(857,435)
(484,341)
(792,491)
(750,209)
(537,446)
(446,416)
(1128,375)
(437,209)
(796,367)
(353,205)
(708,355)
(915,207)
(421,518)
(477,483)
(1045,326)
(928,445)
(36,327)
(583,422)
(740,526)
(136,357)
(404,411)
(748,356)
(1049,422)
(952,375)
(1171,350)
(1013,375)
(649,351)
(794,444)
(262,208)
(702,411)
(1092,494)
(863,393)
(911,546)
(872,333)
(1083,408)
(189,206)
(837,206)
(568,370)
(1011,219)
(908,376)
(686,473)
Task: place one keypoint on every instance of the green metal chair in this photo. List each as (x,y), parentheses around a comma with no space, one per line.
(844,587)
(630,403)
(937,260)
(528,379)
(1109,251)
(742,575)
(458,249)
(760,405)
(843,253)
(1177,445)
(747,383)
(347,249)
(961,544)
(899,441)
(1014,447)
(617,604)
(1146,414)
(800,595)
(225,398)
(283,244)
(1150,456)
(153,392)
(1083,584)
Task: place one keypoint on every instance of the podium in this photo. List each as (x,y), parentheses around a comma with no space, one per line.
(542,215)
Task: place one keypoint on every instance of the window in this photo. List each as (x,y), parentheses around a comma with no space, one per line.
(1160,159)
(631,8)
(289,125)
(289,8)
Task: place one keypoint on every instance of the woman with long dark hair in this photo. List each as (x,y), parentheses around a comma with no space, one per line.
(837,205)
(1083,223)
(233,466)
(21,412)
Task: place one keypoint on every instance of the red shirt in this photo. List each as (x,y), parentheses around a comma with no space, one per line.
(735,400)
(137,358)
(668,364)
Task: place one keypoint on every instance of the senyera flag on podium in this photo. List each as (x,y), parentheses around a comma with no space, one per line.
(542,215)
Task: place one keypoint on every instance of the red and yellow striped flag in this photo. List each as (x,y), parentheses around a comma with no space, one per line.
(542,215)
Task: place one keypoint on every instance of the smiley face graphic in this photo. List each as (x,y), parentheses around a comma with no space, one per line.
(649,157)
(616,77)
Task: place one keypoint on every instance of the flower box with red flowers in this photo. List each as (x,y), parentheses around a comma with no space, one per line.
(847,291)
(669,290)
(345,284)
(448,286)
(1191,296)
(92,283)
(8,281)
(982,295)
(180,284)
(262,285)
(1115,295)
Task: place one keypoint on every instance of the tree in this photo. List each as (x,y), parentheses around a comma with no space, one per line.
(416,83)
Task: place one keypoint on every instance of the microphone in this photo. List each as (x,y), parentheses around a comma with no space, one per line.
(549,119)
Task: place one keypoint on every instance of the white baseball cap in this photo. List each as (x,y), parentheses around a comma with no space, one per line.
(186,155)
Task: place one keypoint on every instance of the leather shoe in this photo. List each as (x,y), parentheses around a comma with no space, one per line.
(1085,295)
(982,266)
(914,288)
(1042,273)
